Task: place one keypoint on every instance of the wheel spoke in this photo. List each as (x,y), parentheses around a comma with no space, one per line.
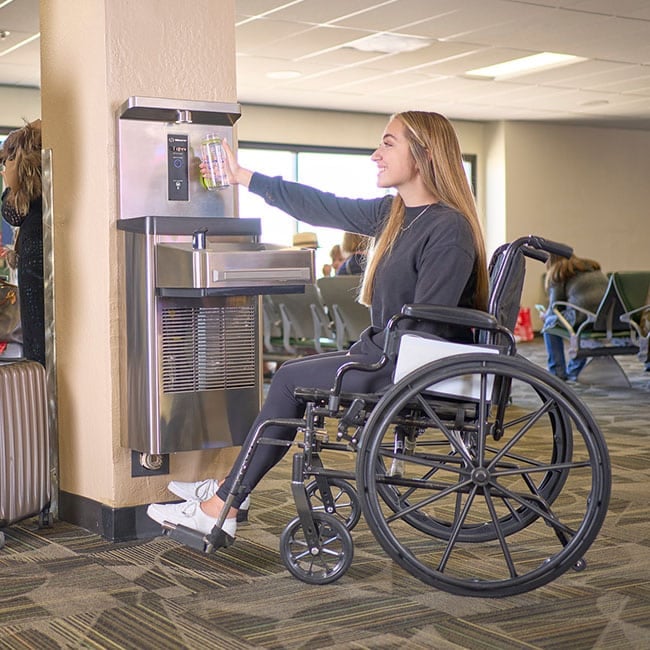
(459,521)
(502,540)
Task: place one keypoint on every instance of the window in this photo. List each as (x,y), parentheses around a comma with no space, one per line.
(345,172)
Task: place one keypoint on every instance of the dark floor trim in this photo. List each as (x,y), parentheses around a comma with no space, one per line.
(113,524)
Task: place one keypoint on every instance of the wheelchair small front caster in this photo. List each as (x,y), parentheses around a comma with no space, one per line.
(345,501)
(321,564)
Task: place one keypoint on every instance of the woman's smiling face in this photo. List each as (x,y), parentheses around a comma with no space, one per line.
(395,163)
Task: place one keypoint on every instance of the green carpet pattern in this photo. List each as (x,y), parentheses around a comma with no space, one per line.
(64,587)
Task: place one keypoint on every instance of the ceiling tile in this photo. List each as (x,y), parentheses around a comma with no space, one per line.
(623,8)
(436,53)
(325,11)
(394,16)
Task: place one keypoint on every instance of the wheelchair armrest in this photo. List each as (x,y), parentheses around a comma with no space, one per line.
(473,318)
(453,315)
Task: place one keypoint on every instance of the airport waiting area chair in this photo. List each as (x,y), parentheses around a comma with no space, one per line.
(296,324)
(615,329)
(350,317)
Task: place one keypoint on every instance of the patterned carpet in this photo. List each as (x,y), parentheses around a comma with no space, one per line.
(67,588)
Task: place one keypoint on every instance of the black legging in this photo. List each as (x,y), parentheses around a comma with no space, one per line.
(317,371)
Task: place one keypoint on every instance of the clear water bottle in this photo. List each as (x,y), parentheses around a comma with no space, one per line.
(213,158)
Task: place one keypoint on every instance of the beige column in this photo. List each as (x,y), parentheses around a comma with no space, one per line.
(94,55)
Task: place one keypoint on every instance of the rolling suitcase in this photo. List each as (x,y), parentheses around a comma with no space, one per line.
(24,444)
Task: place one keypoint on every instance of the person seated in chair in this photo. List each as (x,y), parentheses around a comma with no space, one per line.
(428,248)
(337,258)
(354,249)
(580,282)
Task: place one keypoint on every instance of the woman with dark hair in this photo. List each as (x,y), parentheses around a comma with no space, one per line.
(428,248)
(22,207)
(578,281)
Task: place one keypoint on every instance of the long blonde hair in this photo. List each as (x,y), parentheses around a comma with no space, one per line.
(24,146)
(435,148)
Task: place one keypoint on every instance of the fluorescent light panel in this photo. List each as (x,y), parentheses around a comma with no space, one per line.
(525,65)
(283,74)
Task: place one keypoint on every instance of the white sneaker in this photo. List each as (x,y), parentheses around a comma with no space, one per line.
(197,491)
(202,491)
(190,515)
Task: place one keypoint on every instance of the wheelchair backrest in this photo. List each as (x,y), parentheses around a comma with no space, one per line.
(506,270)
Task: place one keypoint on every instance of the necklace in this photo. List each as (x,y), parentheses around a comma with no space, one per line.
(405,228)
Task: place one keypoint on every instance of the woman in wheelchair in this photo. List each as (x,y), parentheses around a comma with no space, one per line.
(428,248)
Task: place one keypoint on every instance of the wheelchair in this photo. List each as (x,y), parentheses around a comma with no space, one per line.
(476,471)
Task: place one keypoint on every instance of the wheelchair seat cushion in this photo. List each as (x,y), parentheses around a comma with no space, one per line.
(416,351)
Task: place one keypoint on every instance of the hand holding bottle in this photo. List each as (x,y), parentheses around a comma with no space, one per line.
(212,166)
(234,172)
(237,175)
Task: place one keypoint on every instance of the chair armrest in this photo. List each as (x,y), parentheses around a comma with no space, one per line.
(590,316)
(563,321)
(465,316)
(452,315)
(627,318)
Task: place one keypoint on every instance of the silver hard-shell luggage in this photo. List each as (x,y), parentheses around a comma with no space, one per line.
(24,443)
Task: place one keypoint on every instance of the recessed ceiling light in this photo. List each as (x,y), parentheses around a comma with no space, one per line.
(388,43)
(284,74)
(525,65)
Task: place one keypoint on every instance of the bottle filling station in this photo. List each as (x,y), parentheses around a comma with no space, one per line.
(193,280)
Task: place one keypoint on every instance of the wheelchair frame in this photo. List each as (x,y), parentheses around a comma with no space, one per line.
(488,495)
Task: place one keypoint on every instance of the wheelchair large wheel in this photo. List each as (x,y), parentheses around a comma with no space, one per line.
(498,514)
(398,497)
(346,503)
(323,563)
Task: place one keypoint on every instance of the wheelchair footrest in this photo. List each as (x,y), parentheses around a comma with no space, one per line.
(197,540)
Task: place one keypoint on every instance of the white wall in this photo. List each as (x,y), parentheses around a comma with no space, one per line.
(494,185)
(19,104)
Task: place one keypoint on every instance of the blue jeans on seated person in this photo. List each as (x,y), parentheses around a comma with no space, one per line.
(556,362)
